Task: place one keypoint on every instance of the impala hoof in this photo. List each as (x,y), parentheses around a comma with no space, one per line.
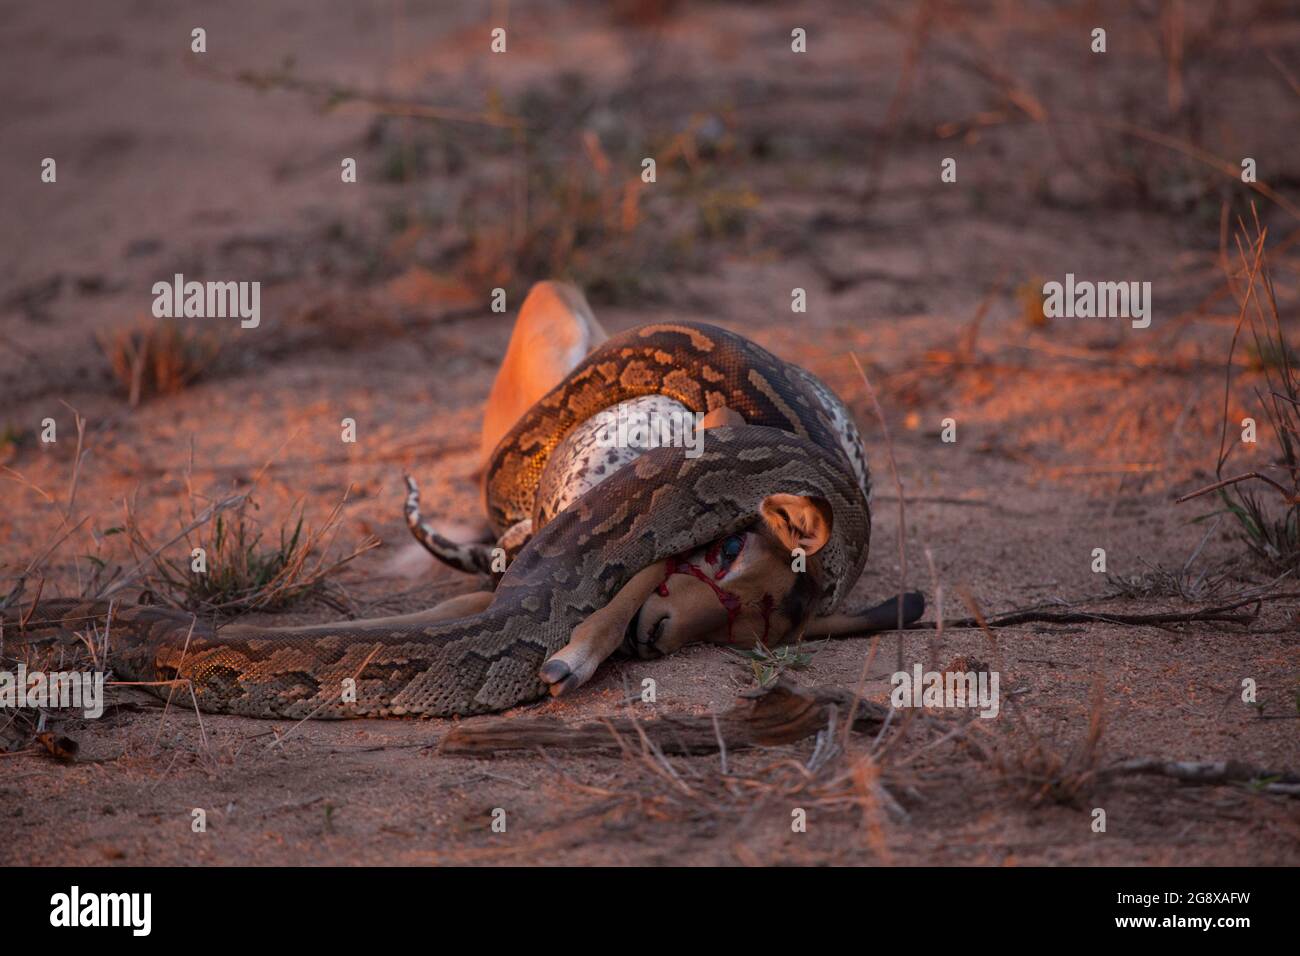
(557,673)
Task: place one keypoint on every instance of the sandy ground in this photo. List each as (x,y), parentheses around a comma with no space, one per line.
(1070,435)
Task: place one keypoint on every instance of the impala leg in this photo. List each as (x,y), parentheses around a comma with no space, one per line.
(599,635)
(553,333)
(462,605)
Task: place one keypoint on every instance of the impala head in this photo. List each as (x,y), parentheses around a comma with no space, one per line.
(742,588)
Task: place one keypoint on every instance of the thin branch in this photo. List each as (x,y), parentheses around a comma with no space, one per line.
(1286,492)
(1219,613)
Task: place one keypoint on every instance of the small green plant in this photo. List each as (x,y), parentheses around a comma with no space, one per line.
(769,663)
(12,439)
(1260,784)
(239,566)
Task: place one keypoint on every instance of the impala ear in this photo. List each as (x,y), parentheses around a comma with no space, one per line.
(798,521)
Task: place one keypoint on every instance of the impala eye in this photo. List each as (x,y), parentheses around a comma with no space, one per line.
(731,547)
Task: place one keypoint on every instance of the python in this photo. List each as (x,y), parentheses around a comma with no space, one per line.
(609,550)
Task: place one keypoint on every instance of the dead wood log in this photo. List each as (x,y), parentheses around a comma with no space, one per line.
(779,714)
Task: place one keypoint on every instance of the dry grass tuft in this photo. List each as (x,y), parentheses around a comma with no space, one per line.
(1042,771)
(1271,530)
(590,218)
(1184,582)
(1038,769)
(241,572)
(52,730)
(157,358)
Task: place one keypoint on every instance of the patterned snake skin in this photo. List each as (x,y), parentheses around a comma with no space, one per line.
(661,505)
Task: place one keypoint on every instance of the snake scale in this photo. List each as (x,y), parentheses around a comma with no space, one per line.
(661,505)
